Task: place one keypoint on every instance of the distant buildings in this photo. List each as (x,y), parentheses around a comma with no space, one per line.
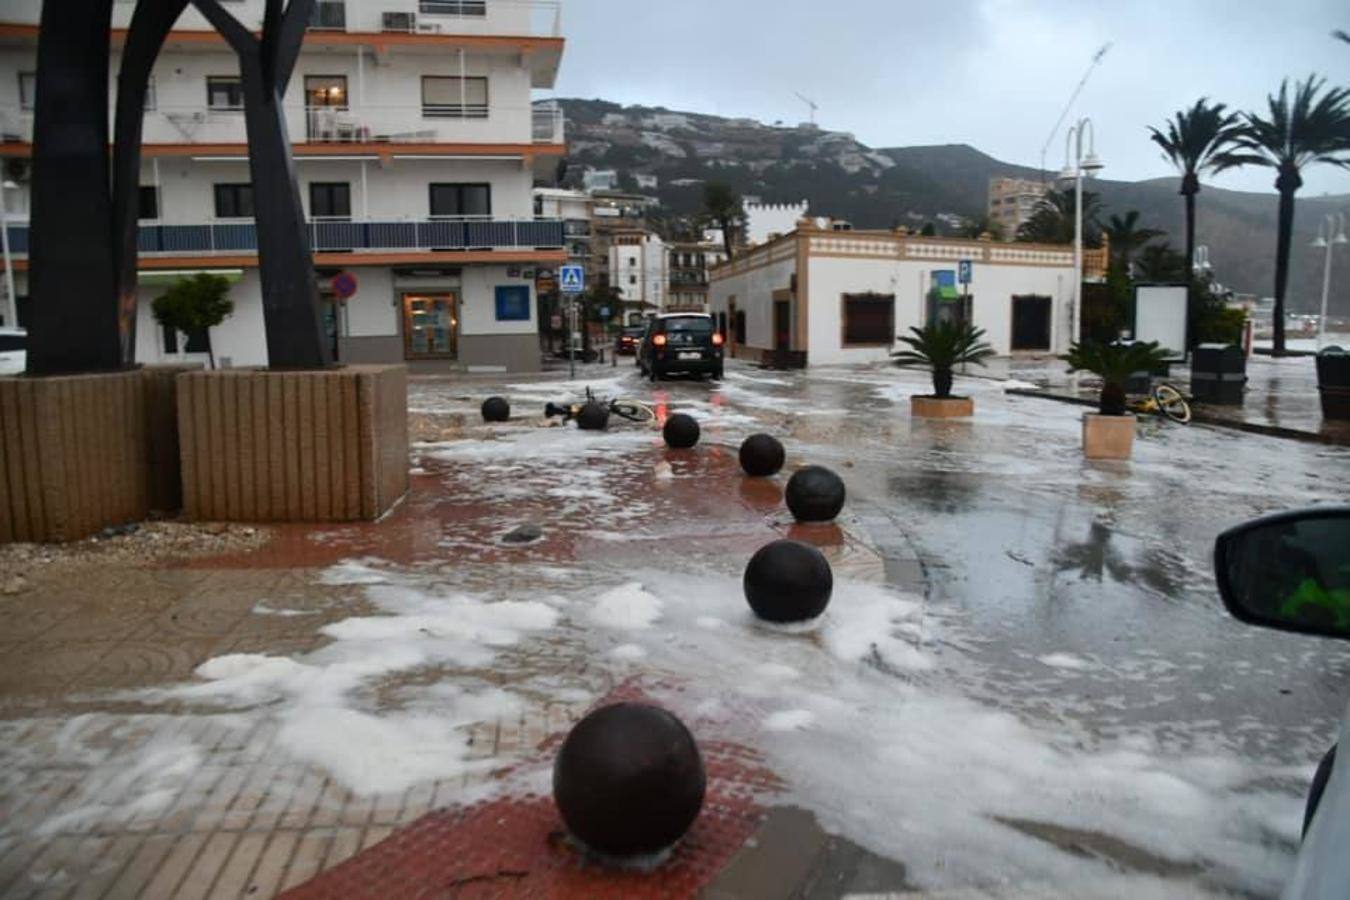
(1012,201)
(690,262)
(639,272)
(600,180)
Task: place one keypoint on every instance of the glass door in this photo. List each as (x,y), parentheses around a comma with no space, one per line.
(430,326)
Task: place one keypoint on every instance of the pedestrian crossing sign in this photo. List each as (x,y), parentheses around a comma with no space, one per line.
(572,279)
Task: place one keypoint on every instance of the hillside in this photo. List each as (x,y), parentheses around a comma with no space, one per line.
(879,188)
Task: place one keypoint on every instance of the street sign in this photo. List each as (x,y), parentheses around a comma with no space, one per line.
(572,279)
(344,285)
(965,271)
(604,312)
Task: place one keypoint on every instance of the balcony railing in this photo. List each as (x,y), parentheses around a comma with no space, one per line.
(548,124)
(335,236)
(352,124)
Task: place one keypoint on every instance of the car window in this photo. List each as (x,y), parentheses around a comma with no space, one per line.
(690,325)
(11,342)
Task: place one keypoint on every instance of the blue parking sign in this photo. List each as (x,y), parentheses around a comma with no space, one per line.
(572,279)
(966,271)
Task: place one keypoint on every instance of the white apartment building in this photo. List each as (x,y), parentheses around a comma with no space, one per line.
(638,269)
(417,146)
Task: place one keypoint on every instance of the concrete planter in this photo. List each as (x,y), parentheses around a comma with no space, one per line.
(942,407)
(312,446)
(73,455)
(1108,437)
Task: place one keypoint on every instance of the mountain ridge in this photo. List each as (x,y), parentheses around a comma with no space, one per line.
(942,183)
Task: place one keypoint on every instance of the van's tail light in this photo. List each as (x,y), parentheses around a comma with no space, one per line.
(659,340)
(718,340)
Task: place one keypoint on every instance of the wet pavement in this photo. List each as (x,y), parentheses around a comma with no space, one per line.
(1025,663)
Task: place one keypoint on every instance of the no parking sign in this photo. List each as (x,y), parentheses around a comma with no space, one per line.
(344,285)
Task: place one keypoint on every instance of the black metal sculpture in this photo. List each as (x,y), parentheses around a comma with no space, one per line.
(150,26)
(291,309)
(72,321)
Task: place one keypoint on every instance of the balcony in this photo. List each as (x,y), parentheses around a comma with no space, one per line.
(331,236)
(457,125)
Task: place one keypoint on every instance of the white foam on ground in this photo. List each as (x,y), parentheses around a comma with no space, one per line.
(1065,661)
(628,607)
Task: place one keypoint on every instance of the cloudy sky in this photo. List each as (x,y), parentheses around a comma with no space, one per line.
(991,73)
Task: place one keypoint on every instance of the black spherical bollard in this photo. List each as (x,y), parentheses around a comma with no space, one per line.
(788,582)
(593,417)
(762,455)
(496,409)
(629,780)
(815,494)
(681,431)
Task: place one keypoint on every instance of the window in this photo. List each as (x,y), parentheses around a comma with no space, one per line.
(198,341)
(869,319)
(234,201)
(27,90)
(151,97)
(513,303)
(461,200)
(632,279)
(452,7)
(326,90)
(330,200)
(148,203)
(224,92)
(451,97)
(170,339)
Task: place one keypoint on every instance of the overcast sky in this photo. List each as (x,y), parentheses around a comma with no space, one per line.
(991,73)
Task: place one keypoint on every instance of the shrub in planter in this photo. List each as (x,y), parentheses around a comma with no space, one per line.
(1114,364)
(940,348)
(1110,433)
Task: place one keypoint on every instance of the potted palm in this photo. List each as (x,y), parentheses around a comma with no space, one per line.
(940,348)
(1109,433)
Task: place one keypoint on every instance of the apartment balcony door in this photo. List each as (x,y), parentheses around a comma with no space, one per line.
(326,117)
(430,326)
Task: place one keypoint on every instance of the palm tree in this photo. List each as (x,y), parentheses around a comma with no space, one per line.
(1053,220)
(1161,264)
(723,207)
(1126,237)
(1300,131)
(1199,141)
(1114,364)
(942,347)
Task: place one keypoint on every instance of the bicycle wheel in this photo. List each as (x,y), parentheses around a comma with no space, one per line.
(1172,404)
(632,410)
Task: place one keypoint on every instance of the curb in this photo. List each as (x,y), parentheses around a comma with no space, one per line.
(1307,437)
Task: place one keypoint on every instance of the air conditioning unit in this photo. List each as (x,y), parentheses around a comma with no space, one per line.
(399,21)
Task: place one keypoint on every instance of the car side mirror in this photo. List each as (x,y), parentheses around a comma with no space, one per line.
(1290,571)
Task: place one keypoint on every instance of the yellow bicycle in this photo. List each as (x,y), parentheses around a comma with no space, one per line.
(1165,401)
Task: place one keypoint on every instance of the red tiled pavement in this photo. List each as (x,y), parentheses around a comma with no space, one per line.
(518,847)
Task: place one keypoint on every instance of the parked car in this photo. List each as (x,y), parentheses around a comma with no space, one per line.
(13,351)
(626,344)
(681,342)
(1291,572)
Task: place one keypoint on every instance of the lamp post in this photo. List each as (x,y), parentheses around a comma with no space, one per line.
(1076,166)
(1329,234)
(11,308)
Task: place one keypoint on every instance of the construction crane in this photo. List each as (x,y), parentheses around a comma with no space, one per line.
(1096,61)
(811,103)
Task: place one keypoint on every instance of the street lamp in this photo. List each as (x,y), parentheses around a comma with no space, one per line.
(1330,233)
(11,309)
(1076,166)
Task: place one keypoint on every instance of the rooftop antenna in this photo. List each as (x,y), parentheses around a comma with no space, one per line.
(811,103)
(1092,67)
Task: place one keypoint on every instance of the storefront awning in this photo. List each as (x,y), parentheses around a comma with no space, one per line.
(166,277)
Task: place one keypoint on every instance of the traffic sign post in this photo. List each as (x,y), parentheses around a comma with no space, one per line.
(572,282)
(965,271)
(344,285)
